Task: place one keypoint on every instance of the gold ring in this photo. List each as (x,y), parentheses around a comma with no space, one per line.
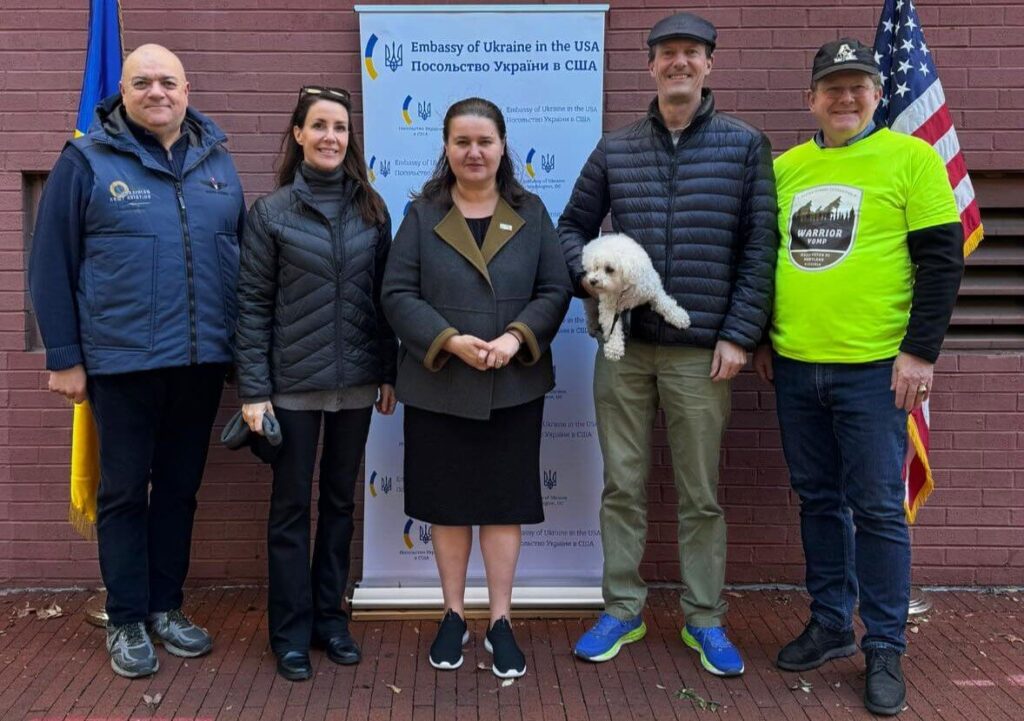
(922,389)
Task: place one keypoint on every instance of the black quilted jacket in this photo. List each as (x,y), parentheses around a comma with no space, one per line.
(706,212)
(309,314)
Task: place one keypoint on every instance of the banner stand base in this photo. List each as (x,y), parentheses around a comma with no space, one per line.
(427,602)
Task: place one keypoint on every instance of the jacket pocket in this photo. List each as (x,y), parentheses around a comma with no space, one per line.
(227,255)
(120,273)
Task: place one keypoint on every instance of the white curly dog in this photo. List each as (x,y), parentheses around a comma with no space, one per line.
(621,273)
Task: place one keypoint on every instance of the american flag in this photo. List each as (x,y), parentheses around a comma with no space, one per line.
(913,102)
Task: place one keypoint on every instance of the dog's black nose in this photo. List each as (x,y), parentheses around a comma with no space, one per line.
(593,281)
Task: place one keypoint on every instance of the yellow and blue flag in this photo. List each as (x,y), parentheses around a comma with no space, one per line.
(102,59)
(102,72)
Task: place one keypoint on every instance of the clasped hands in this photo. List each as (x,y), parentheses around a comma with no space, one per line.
(484,355)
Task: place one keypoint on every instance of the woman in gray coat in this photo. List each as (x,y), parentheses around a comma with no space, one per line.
(475,288)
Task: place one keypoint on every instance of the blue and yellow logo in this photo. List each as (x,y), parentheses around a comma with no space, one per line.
(368,57)
(371,174)
(405,534)
(373,488)
(529,163)
(405,110)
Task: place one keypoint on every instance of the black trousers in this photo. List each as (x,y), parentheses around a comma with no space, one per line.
(154,430)
(306,602)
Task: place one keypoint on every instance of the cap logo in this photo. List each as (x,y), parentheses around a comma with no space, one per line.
(845,54)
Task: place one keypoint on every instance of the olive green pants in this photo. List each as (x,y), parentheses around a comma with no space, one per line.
(627,394)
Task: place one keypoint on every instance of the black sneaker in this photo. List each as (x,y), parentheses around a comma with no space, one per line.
(452,635)
(509,661)
(815,646)
(885,692)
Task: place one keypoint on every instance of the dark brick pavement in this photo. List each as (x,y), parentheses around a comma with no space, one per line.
(965,662)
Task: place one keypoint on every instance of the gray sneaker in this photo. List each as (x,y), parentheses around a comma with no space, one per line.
(178,634)
(131,652)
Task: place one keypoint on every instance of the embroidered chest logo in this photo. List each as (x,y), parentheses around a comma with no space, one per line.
(122,195)
(823,226)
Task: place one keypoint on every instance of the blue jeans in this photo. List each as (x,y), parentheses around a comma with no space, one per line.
(844,440)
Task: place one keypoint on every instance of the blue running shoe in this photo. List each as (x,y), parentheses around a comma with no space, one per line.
(717,654)
(606,637)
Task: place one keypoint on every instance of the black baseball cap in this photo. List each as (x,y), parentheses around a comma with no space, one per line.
(843,54)
(683,25)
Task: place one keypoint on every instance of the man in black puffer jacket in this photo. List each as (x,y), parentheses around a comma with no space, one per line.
(695,188)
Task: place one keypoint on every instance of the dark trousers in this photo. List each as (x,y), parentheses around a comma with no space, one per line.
(154,430)
(306,602)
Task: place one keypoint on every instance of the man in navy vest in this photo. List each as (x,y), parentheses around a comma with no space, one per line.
(132,275)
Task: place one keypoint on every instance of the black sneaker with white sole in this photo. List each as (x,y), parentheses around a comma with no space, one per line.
(509,661)
(452,635)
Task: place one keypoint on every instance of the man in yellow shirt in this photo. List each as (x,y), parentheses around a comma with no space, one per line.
(869,265)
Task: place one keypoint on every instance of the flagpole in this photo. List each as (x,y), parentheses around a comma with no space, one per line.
(913,102)
(98,81)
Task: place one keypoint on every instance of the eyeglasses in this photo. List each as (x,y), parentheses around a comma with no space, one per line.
(321,90)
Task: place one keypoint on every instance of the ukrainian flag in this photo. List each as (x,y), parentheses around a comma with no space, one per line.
(102,59)
(102,72)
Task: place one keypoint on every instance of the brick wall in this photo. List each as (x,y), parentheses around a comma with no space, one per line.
(246,58)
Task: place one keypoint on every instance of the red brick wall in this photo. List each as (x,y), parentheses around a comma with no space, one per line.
(246,58)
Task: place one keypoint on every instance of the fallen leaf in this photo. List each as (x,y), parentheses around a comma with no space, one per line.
(51,611)
(734,594)
(23,612)
(507,682)
(1013,639)
(152,700)
(393,687)
(837,684)
(416,630)
(703,703)
(658,685)
(481,666)
(915,629)
(983,654)
(802,684)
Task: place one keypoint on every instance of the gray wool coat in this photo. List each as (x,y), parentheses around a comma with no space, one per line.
(438,283)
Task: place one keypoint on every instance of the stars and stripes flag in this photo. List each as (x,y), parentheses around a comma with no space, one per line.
(913,102)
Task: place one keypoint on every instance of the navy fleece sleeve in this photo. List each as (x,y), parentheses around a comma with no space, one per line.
(56,257)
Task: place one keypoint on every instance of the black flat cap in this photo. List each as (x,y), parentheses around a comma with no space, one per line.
(843,54)
(683,25)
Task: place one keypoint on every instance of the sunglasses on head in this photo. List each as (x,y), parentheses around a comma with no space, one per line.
(323,91)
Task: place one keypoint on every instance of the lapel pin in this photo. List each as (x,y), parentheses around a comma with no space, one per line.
(504,226)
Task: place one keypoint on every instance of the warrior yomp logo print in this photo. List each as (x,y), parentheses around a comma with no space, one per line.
(823,226)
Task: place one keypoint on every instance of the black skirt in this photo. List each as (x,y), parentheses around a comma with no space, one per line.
(464,472)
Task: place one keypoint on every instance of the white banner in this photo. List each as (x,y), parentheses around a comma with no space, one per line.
(543,65)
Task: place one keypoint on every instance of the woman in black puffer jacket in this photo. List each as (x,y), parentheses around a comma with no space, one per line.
(314,349)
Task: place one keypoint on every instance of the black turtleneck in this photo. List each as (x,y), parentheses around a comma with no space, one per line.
(329,189)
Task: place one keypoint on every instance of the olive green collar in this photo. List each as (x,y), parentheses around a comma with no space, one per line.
(454,231)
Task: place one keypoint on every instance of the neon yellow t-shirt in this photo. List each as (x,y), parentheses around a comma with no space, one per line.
(844,279)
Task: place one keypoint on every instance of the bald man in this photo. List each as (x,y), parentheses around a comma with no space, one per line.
(132,275)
